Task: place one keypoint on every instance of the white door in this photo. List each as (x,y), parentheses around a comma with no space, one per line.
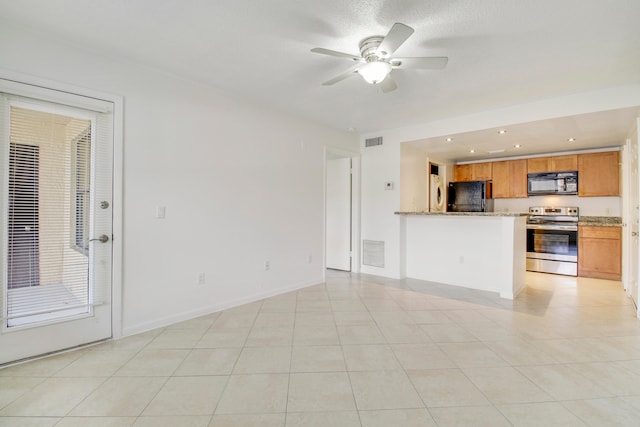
(56,221)
(633,214)
(338,205)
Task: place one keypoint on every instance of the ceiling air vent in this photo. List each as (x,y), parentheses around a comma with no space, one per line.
(372,142)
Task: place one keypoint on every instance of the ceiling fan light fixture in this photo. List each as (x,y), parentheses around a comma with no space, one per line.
(375,71)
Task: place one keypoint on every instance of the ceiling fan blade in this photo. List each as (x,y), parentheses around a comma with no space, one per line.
(335,53)
(425,63)
(398,34)
(351,72)
(388,85)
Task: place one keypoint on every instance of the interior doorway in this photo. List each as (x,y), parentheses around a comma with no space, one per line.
(339,211)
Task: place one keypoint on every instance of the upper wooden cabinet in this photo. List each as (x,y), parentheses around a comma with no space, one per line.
(509,179)
(564,163)
(473,172)
(482,171)
(462,173)
(553,164)
(599,174)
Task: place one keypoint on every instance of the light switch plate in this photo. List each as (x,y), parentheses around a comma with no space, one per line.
(160,212)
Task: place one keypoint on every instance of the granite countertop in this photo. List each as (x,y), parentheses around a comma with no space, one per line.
(600,221)
(510,214)
(593,221)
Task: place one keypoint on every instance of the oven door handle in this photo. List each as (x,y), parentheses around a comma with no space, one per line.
(552,227)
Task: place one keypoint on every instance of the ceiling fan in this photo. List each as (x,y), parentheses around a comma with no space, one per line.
(375,62)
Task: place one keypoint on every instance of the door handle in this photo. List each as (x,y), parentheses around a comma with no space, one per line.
(103,239)
(634,233)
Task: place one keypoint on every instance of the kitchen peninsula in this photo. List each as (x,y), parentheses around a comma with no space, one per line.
(478,250)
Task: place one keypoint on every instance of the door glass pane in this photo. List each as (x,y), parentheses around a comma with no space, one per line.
(23,262)
(48,218)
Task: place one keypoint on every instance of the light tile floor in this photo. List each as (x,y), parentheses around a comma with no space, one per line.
(357,351)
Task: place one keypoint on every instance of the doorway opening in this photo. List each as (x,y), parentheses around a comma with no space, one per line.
(340,210)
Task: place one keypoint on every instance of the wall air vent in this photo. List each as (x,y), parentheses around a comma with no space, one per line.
(373,253)
(372,142)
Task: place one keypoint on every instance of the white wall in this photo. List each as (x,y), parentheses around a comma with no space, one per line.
(413,179)
(383,162)
(477,252)
(241,185)
(380,164)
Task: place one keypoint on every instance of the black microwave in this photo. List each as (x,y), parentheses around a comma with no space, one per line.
(552,183)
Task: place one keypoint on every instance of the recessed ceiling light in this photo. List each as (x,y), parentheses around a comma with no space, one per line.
(517,146)
(571,139)
(449,139)
(502,131)
(472,151)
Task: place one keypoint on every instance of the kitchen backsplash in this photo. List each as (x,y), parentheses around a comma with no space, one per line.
(592,206)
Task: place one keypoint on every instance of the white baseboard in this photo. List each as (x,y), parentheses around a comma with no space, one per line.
(203,311)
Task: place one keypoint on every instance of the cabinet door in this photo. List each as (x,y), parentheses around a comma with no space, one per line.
(482,171)
(538,164)
(462,173)
(501,180)
(509,179)
(518,178)
(599,174)
(564,163)
(600,252)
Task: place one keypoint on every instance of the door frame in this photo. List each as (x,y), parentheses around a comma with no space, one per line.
(48,90)
(628,216)
(355,206)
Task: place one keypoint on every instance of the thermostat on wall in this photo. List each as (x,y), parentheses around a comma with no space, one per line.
(388,185)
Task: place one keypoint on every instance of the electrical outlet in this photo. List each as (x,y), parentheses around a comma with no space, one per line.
(309,259)
(201,279)
(461,259)
(267,266)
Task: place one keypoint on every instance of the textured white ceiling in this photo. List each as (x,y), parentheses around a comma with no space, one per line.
(501,52)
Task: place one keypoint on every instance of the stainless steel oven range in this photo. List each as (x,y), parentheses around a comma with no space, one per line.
(552,240)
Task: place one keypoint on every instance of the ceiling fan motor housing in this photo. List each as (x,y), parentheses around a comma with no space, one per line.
(369,48)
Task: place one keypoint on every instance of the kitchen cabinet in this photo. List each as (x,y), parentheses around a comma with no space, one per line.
(473,172)
(600,252)
(564,163)
(599,174)
(462,173)
(553,164)
(509,179)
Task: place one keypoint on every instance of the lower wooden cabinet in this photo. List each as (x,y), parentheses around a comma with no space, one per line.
(600,252)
